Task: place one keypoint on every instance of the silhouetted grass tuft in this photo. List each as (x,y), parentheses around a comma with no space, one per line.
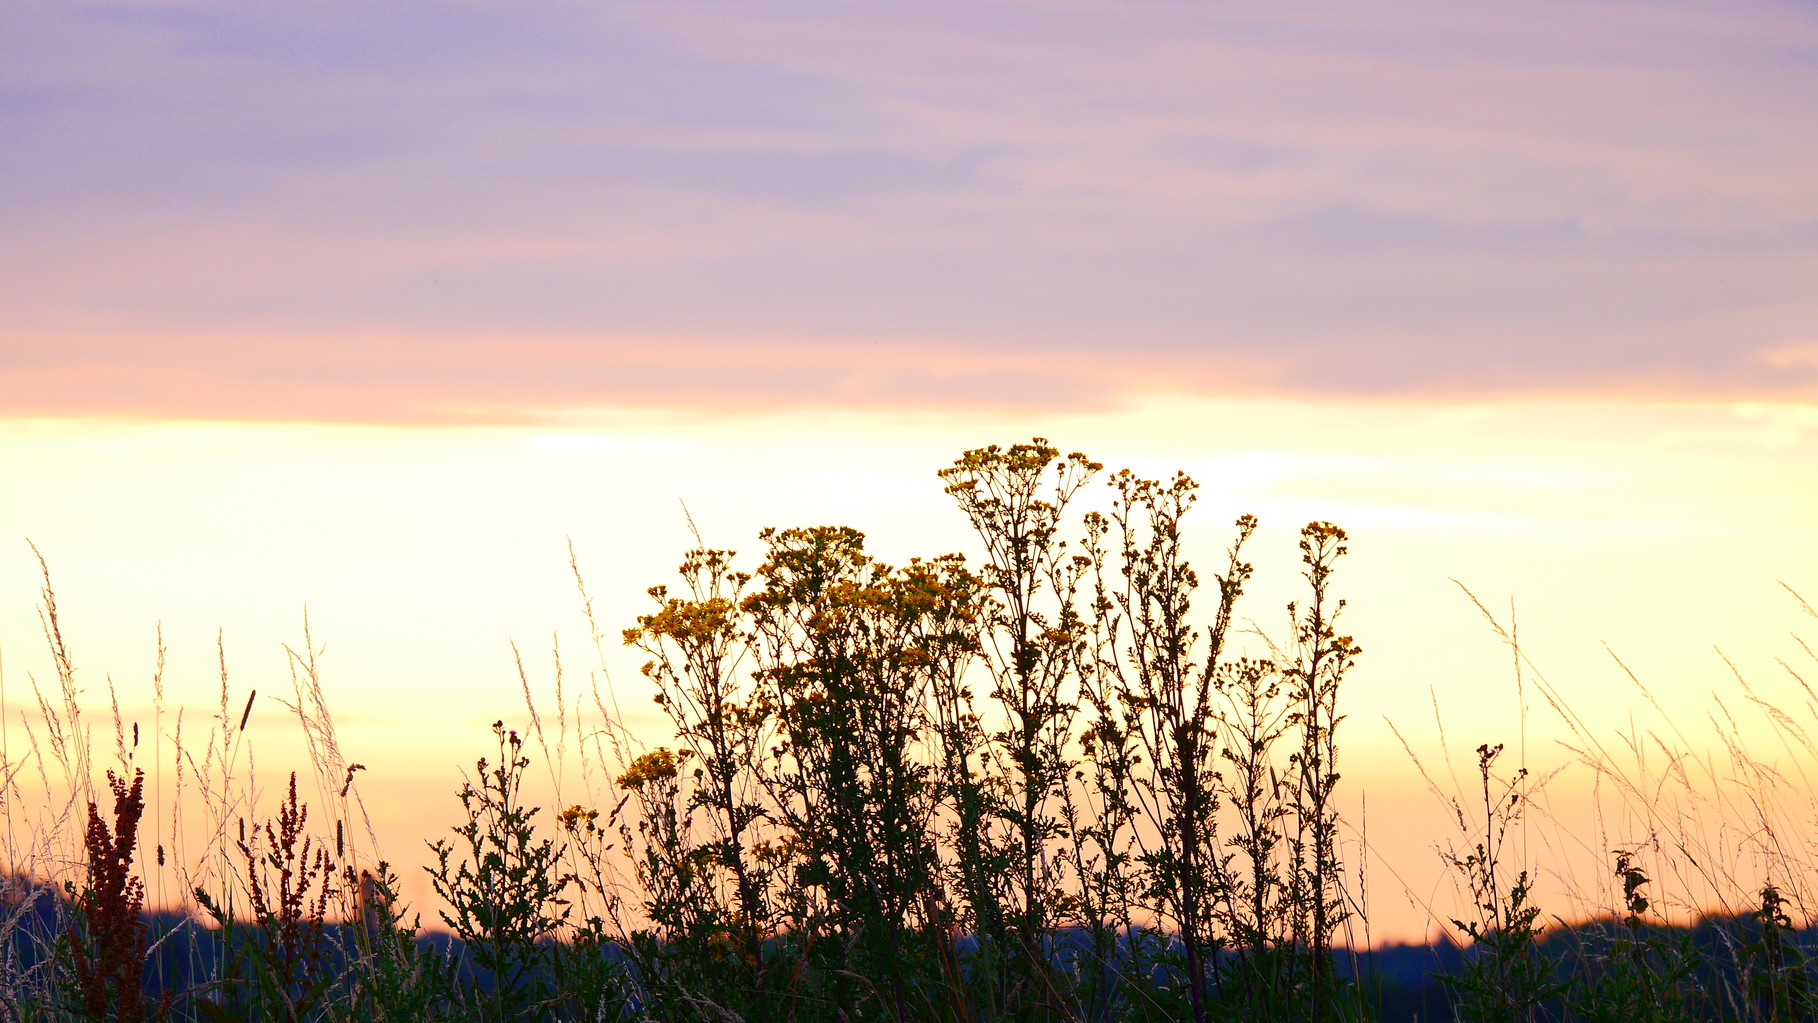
(1059,783)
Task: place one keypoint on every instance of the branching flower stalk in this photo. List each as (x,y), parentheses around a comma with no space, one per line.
(697,644)
(106,942)
(1165,691)
(289,879)
(501,881)
(1034,641)
(1323,657)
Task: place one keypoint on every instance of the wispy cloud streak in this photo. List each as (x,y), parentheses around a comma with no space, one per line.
(434,211)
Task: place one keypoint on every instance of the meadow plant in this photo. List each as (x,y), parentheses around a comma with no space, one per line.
(1067,782)
(502,885)
(1032,641)
(1505,979)
(105,943)
(1627,970)
(1779,980)
(861,803)
(277,962)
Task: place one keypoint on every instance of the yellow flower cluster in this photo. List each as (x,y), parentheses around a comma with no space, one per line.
(576,817)
(659,763)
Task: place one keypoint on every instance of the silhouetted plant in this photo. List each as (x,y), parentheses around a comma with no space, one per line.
(1504,979)
(1061,782)
(391,976)
(105,944)
(842,805)
(502,884)
(289,878)
(1189,736)
(849,651)
(1033,641)
(687,959)
(1157,689)
(1626,972)
(1779,972)
(1322,657)
(698,643)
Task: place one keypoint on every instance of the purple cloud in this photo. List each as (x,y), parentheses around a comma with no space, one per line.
(401,210)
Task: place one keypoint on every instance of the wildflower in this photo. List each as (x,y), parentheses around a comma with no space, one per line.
(577,816)
(658,764)
(109,958)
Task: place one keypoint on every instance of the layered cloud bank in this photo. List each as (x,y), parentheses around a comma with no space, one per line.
(396,211)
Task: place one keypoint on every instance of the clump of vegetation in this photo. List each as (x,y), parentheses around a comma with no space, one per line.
(104,946)
(1505,979)
(1067,780)
(276,964)
(502,884)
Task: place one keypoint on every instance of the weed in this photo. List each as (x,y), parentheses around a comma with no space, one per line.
(105,944)
(1061,783)
(288,879)
(501,884)
(1505,979)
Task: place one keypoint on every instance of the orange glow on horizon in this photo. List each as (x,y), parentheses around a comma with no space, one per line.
(421,554)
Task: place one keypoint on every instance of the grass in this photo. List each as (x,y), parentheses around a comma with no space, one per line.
(1066,783)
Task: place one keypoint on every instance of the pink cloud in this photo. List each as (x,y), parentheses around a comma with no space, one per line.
(451,379)
(538,206)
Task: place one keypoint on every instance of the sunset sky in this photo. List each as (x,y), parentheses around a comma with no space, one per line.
(371,307)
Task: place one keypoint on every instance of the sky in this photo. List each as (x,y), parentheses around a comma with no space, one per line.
(373,308)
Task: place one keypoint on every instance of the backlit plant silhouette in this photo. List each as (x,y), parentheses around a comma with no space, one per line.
(1070,779)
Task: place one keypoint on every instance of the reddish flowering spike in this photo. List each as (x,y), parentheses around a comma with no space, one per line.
(108,954)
